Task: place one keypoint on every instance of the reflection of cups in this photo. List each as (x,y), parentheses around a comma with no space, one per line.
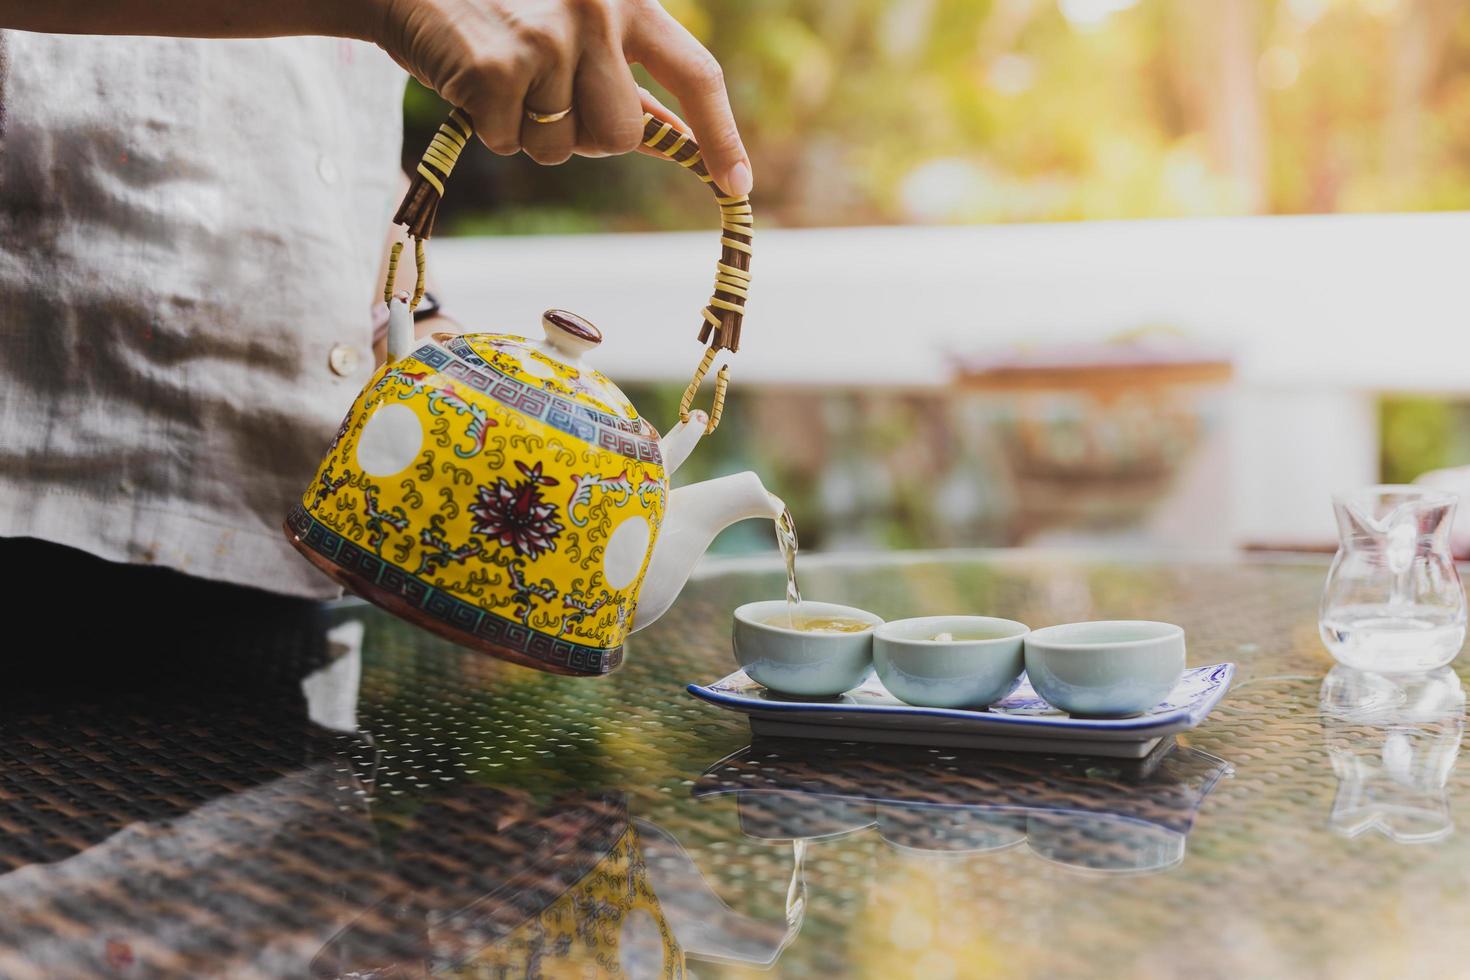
(949,829)
(1103,842)
(802,662)
(1088,814)
(797,816)
(1393,740)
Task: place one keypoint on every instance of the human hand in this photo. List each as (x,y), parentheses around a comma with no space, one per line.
(497,59)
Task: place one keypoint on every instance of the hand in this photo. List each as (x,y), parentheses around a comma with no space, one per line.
(498,58)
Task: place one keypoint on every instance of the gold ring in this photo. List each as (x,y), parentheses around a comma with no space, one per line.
(547,117)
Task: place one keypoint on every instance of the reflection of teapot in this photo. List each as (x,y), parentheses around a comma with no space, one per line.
(487,882)
(501,492)
(1393,739)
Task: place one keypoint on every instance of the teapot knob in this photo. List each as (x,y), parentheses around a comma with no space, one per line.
(569,334)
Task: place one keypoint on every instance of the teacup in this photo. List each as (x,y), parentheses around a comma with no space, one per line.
(979,664)
(1110,669)
(805,663)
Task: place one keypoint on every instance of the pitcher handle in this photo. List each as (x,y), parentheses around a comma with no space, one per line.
(721,318)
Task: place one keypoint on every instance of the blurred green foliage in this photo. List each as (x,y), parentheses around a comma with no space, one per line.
(1418,434)
(883,111)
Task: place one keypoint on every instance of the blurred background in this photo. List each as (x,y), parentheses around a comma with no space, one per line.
(1154,274)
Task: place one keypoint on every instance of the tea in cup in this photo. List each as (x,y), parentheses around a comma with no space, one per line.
(809,649)
(820,624)
(950,661)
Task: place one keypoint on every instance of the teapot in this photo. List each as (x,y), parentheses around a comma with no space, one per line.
(500,491)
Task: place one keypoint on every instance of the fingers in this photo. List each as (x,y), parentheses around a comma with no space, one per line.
(495,110)
(608,112)
(683,66)
(490,85)
(661,112)
(496,60)
(590,76)
(549,142)
(550,91)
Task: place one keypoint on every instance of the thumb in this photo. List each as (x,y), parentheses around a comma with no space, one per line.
(682,65)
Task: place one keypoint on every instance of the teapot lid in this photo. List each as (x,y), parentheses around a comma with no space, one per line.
(569,334)
(556,363)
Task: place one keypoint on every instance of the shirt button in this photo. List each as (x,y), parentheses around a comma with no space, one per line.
(343,360)
(326,169)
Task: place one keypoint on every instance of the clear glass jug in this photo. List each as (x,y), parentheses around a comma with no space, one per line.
(1393,600)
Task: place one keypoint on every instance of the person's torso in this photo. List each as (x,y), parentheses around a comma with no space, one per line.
(190,232)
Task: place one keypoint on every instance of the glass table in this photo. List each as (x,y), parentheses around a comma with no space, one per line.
(291,791)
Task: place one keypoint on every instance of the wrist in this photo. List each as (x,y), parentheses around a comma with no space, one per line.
(360,20)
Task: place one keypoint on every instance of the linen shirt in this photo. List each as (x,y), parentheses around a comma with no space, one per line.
(190,235)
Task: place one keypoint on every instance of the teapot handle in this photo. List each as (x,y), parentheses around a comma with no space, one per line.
(722,316)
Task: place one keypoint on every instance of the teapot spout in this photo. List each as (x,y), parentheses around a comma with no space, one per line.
(696,514)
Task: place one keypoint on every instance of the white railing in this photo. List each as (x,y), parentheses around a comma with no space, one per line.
(1343,301)
(1320,313)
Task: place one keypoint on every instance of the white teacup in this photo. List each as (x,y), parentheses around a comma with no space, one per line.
(801,662)
(1111,668)
(979,666)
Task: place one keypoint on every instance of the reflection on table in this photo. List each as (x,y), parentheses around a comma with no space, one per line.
(1394,739)
(491,883)
(258,790)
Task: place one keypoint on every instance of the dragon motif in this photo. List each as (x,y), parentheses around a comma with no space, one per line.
(438,552)
(523,593)
(379,521)
(480,421)
(442,398)
(584,484)
(581,609)
(329,485)
(341,433)
(648,487)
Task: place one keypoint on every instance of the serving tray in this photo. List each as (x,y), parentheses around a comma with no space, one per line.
(1022,722)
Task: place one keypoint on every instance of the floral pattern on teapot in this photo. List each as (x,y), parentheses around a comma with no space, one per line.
(493,493)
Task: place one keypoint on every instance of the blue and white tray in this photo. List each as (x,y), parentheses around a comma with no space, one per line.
(1021,723)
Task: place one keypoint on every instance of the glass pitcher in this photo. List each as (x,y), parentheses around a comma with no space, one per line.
(1393,600)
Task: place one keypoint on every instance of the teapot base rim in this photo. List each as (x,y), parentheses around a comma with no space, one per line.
(405,610)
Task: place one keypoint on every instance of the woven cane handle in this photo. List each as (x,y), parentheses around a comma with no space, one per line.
(726,309)
(725,312)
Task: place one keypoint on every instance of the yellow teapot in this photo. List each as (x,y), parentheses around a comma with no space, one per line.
(500,491)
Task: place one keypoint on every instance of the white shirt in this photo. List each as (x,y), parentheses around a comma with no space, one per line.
(190,235)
